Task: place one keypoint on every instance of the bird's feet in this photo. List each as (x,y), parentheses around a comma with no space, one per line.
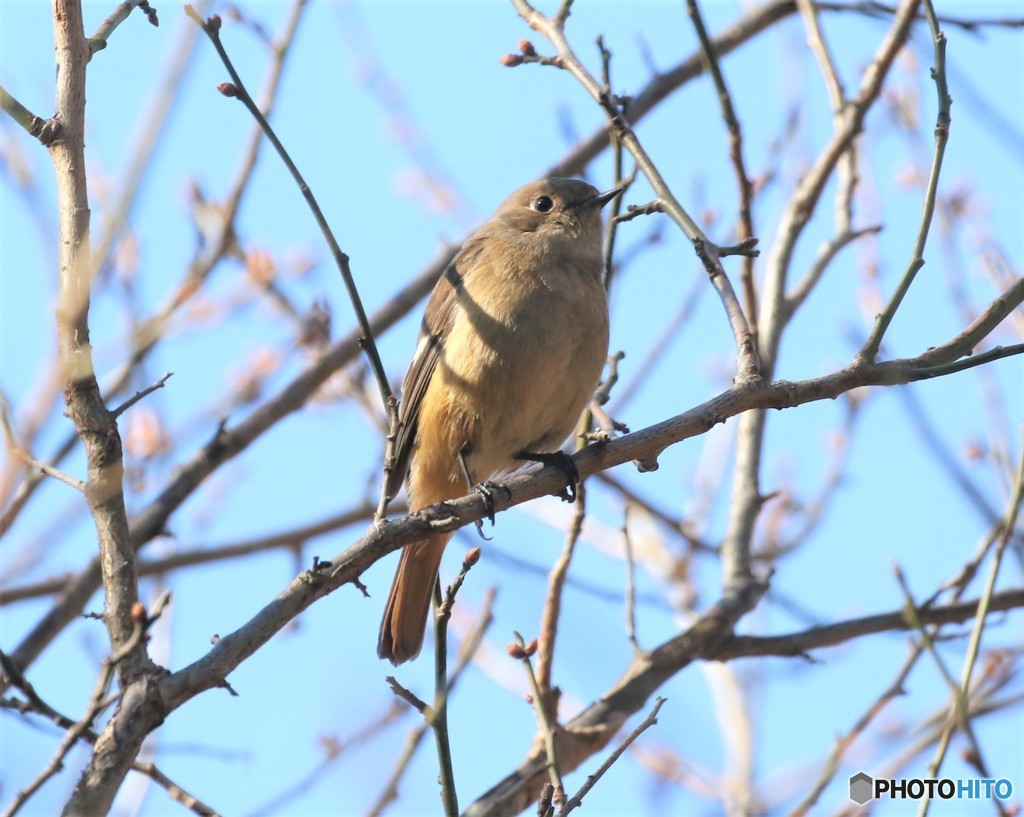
(486,490)
(565,463)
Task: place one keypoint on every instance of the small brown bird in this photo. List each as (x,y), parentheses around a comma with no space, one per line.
(511,348)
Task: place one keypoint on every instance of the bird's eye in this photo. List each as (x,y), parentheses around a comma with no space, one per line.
(543,204)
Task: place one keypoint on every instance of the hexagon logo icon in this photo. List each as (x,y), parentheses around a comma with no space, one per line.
(861,788)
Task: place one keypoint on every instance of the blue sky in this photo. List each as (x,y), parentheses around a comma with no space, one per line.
(485,130)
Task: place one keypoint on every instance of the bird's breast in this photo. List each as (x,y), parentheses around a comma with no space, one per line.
(521,361)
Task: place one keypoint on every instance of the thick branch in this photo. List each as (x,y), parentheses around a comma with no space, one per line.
(643,446)
(708,639)
(830,635)
(227,443)
(94,423)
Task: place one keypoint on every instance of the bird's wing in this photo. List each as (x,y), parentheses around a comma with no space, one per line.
(437,323)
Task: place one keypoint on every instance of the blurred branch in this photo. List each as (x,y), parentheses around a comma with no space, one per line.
(596,725)
(747,498)
(148,333)
(592,730)
(292,539)
(630,602)
(35,704)
(937,448)
(927,638)
(707,638)
(805,199)
(98,701)
(958,709)
(435,185)
(928,735)
(660,86)
(334,750)
(872,8)
(843,742)
(829,635)
(826,255)
(846,167)
(150,126)
(29,484)
(227,443)
(813,511)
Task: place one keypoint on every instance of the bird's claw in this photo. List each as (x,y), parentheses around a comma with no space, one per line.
(562,461)
(486,490)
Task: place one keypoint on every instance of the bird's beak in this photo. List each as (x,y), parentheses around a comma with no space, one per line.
(601,199)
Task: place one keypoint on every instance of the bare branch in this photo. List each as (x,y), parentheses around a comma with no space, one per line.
(942,121)
(98,41)
(127,404)
(735,155)
(577,799)
(747,364)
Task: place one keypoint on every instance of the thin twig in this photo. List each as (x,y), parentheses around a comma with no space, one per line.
(35,126)
(927,639)
(135,398)
(37,705)
(292,539)
(843,742)
(467,650)
(958,707)
(873,8)
(547,721)
(826,255)
(334,750)
(627,543)
(942,122)
(98,41)
(553,602)
(846,166)
(438,717)
(577,799)
(747,363)
(409,697)
(147,333)
(735,155)
(611,229)
(98,701)
(50,471)
(237,89)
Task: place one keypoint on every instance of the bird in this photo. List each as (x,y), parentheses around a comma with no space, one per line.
(512,344)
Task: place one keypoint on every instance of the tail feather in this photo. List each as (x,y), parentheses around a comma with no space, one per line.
(409,602)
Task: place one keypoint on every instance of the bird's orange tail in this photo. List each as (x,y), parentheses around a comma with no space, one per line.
(409,602)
